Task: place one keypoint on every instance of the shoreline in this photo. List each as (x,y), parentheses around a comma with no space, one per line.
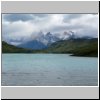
(73,55)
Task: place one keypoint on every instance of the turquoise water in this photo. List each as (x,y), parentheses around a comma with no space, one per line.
(48,70)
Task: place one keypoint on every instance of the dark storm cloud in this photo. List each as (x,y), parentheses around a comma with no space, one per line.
(17,17)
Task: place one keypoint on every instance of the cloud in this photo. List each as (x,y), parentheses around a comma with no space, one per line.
(23,27)
(40,15)
(69,17)
(17,17)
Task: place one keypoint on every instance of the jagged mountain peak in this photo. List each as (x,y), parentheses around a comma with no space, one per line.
(44,40)
(67,35)
(48,34)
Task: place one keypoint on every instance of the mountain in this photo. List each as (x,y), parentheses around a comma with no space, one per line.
(43,41)
(76,47)
(48,38)
(68,35)
(7,48)
(33,44)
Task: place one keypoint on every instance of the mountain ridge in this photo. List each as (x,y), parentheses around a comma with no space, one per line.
(78,47)
(44,40)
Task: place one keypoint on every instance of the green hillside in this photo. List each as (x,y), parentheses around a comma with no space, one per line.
(77,47)
(6,48)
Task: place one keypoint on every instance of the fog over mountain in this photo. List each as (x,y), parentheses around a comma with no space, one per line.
(47,28)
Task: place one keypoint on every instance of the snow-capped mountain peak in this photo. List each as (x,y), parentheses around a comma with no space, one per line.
(67,35)
(49,34)
(48,38)
(44,40)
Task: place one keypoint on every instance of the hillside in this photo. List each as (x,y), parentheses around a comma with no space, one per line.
(77,47)
(34,45)
(7,48)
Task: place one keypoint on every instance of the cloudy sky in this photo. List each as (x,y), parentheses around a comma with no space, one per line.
(22,27)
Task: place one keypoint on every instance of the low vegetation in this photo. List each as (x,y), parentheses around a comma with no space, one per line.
(76,47)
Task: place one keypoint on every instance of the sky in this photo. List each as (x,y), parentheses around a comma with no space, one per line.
(22,27)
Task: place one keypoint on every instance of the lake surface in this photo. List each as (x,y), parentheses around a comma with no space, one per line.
(48,70)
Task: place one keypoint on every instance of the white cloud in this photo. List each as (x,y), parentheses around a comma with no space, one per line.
(27,25)
(17,29)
